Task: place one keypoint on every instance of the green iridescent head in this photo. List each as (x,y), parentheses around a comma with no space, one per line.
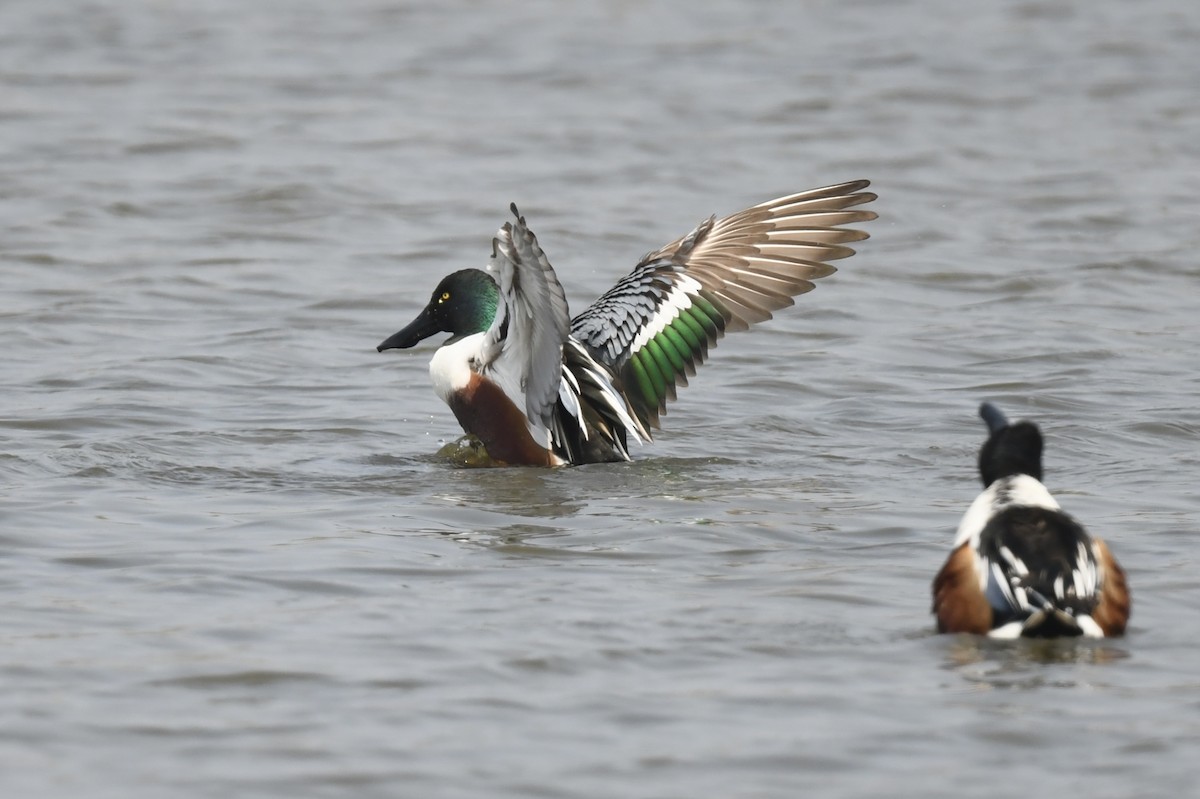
(464,303)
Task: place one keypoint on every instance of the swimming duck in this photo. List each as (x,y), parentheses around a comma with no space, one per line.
(1021,566)
(540,388)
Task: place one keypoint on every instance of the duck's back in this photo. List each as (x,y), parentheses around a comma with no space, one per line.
(1043,572)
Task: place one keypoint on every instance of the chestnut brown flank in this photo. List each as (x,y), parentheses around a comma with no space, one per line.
(1112,611)
(958,602)
(485,411)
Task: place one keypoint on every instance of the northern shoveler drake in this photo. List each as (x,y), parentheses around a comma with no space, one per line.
(537,387)
(1021,566)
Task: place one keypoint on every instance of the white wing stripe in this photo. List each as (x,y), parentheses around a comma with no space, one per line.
(668,311)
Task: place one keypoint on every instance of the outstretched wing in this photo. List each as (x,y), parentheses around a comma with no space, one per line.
(656,325)
(524,344)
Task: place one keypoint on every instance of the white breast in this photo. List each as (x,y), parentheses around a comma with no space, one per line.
(452,365)
(450,368)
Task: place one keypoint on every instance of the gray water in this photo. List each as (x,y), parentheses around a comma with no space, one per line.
(231,564)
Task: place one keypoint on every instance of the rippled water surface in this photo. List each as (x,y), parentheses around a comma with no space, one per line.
(231,565)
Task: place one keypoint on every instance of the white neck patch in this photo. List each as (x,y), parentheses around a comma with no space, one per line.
(1017,490)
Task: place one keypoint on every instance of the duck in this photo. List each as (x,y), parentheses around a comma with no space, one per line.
(538,387)
(1021,567)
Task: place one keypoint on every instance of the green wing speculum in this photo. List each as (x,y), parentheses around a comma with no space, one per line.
(655,326)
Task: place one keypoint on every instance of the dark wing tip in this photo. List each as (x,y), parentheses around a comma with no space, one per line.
(850,186)
(995,419)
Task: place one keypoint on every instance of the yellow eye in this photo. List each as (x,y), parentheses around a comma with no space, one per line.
(445,296)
